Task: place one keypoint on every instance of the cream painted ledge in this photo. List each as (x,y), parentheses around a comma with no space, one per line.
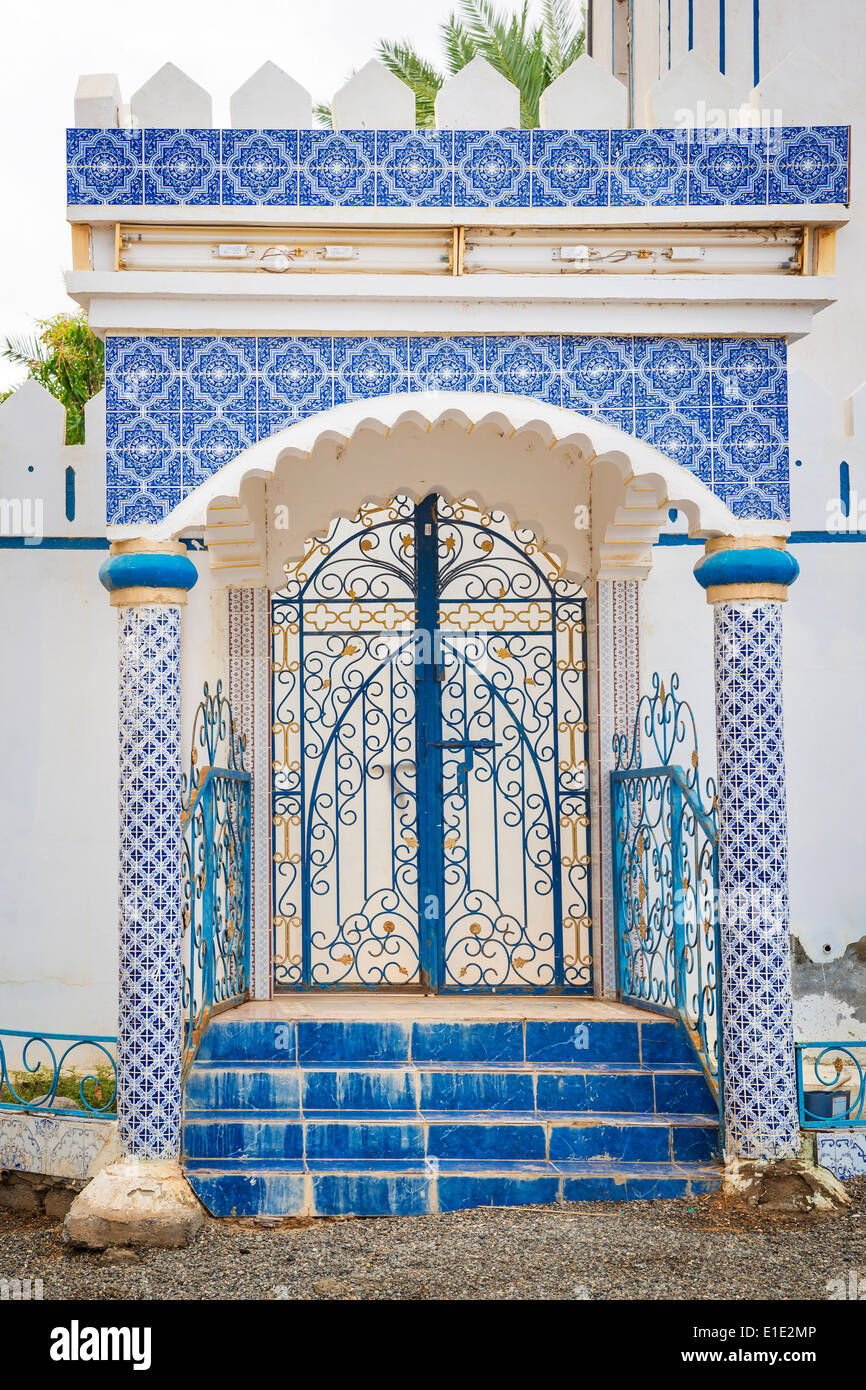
(780,214)
(200,301)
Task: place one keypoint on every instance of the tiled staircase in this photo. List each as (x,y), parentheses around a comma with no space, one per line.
(376,1116)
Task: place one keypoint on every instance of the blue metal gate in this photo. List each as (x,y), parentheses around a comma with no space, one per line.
(665,874)
(430,798)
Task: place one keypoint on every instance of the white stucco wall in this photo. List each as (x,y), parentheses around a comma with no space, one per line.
(58,797)
(58,792)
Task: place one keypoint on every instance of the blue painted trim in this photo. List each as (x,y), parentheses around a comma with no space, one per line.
(74,543)
(722,36)
(148,571)
(428,705)
(760,566)
(70,493)
(756,41)
(795,538)
(845,488)
(691,24)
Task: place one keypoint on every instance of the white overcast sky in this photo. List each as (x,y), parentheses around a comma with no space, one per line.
(48,43)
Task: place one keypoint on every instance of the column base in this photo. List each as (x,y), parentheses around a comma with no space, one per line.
(782,1187)
(134,1202)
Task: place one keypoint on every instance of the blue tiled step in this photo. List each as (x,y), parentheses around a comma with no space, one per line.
(652,1041)
(365,1117)
(378,1189)
(660,1090)
(491,1136)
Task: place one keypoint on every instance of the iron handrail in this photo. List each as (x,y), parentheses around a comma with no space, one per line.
(218,878)
(47,1101)
(853,1113)
(677,1006)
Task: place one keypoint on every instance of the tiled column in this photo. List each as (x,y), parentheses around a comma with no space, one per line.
(746,580)
(148,587)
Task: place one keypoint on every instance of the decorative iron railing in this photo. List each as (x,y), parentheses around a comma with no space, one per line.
(216,872)
(665,873)
(831,1084)
(46,1074)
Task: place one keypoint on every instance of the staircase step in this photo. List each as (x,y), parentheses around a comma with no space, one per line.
(338,1116)
(222,1136)
(554,1042)
(377,1190)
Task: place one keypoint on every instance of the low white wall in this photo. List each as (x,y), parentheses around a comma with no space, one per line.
(58,791)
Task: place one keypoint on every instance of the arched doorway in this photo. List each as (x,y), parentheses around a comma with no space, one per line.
(430,784)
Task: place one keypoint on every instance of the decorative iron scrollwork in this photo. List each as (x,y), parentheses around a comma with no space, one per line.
(215,818)
(665,849)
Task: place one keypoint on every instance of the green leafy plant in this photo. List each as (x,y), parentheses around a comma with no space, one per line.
(98,1091)
(530,54)
(65,357)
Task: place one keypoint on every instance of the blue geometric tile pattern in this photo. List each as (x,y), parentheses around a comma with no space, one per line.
(336,169)
(461,169)
(761,1109)
(260,167)
(414,168)
(492,168)
(149,1015)
(104,166)
(182,167)
(570,168)
(649,168)
(808,165)
(728,167)
(179,408)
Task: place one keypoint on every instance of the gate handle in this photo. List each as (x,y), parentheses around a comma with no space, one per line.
(468,746)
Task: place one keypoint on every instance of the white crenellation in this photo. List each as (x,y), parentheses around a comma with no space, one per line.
(98,102)
(694,93)
(800,90)
(171,100)
(34,458)
(584,97)
(271,100)
(374,99)
(478,98)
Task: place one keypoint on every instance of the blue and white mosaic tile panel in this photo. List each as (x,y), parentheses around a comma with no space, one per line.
(149,1008)
(843,1152)
(761,1113)
(178,408)
(753,167)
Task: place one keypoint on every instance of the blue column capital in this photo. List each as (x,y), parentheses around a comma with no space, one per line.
(142,572)
(748,567)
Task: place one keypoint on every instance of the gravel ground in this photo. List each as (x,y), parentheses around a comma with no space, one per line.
(640,1250)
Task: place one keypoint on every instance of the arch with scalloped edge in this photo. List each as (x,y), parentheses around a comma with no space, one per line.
(233,506)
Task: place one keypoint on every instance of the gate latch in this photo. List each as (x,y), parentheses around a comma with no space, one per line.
(469,746)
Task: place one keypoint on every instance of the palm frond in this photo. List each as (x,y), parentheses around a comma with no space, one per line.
(23,351)
(322,113)
(424,79)
(564,34)
(458,44)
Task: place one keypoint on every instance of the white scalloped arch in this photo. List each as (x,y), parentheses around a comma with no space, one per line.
(233,507)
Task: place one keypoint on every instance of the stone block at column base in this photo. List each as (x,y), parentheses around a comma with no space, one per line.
(134,1202)
(782,1187)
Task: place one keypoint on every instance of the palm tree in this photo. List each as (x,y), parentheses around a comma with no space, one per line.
(530,54)
(65,357)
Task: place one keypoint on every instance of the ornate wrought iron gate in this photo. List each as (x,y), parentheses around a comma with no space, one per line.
(430,799)
(665,874)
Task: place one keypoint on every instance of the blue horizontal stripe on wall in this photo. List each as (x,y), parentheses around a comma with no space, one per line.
(179,408)
(466,169)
